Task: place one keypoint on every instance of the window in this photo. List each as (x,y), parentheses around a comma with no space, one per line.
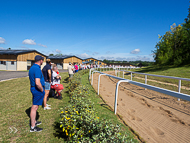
(12,62)
(4,62)
(1,62)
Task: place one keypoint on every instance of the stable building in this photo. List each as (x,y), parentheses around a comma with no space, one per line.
(63,61)
(93,61)
(18,60)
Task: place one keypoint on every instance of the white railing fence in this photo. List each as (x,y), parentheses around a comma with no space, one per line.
(161,90)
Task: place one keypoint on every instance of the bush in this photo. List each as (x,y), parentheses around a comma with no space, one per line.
(79,121)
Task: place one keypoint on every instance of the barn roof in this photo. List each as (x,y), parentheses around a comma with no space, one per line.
(62,57)
(17,52)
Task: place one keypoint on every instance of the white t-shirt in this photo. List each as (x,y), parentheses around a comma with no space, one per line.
(70,69)
(55,80)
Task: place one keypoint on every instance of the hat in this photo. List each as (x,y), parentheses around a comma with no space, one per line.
(38,58)
(48,60)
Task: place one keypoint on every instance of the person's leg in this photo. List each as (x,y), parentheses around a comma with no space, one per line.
(47,89)
(34,108)
(45,97)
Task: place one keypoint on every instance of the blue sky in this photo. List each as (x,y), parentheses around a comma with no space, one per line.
(103,29)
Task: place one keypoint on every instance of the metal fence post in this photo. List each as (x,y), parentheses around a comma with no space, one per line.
(179,88)
(99,83)
(145,80)
(116,94)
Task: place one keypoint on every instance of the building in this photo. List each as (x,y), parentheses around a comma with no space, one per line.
(63,61)
(18,60)
(93,61)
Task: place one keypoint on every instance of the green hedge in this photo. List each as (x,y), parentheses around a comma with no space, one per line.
(79,121)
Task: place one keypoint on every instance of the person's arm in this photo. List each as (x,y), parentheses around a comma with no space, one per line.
(49,74)
(38,84)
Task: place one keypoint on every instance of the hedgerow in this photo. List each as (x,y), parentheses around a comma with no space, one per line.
(79,121)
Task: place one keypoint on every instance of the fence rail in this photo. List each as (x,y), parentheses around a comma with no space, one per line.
(154,88)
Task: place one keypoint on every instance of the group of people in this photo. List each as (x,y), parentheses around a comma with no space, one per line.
(41,81)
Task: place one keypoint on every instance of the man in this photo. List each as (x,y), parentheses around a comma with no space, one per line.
(36,87)
(47,72)
(70,70)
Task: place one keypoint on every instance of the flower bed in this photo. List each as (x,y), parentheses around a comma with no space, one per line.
(79,121)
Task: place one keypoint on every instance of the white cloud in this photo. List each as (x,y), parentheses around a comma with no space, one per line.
(29,42)
(58,51)
(84,55)
(2,40)
(136,51)
(1,48)
(42,45)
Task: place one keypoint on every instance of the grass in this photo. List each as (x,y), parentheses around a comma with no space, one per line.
(182,72)
(16,100)
(103,110)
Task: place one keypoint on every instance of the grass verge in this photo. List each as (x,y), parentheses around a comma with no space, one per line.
(15,103)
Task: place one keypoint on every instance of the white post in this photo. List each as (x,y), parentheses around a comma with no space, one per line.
(145,80)
(99,83)
(179,88)
(116,94)
(131,76)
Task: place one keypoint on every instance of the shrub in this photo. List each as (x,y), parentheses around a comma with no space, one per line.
(79,121)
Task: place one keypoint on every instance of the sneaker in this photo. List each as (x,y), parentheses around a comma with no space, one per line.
(48,105)
(60,97)
(36,129)
(38,123)
(56,97)
(46,108)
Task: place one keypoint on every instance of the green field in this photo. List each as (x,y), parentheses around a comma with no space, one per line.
(16,101)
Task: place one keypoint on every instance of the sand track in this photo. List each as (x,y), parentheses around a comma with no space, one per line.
(154,116)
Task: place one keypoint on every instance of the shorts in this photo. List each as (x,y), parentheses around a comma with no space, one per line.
(70,75)
(47,86)
(58,87)
(38,96)
(76,71)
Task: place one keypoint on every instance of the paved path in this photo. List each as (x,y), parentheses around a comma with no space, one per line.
(4,75)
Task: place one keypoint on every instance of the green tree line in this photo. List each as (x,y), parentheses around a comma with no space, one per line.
(173,47)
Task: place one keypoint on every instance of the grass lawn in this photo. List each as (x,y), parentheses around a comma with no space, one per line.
(16,100)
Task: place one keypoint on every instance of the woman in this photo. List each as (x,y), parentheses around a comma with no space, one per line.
(76,68)
(56,83)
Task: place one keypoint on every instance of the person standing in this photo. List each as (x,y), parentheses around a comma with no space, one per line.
(76,68)
(47,72)
(70,70)
(36,87)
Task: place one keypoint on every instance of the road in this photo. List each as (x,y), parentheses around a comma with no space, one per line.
(5,75)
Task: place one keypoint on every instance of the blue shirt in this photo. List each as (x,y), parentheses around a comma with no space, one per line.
(45,72)
(35,72)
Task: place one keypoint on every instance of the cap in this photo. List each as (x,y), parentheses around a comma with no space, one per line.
(48,60)
(38,58)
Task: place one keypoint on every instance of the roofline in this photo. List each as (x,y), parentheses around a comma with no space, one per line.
(64,57)
(23,52)
(93,58)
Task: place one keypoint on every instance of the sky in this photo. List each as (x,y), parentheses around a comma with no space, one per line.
(104,29)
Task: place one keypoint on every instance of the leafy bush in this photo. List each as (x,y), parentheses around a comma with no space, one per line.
(79,121)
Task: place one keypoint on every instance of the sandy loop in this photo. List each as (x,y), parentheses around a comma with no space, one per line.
(154,116)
